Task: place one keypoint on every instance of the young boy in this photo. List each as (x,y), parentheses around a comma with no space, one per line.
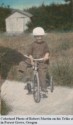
(39,49)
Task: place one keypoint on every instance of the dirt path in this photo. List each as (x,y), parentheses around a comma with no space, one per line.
(60,102)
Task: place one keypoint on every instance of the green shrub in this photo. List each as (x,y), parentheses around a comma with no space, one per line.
(63,48)
(4,108)
(65,45)
(63,73)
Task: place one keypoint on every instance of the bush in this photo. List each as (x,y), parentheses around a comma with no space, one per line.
(63,48)
(63,73)
(4,108)
(64,45)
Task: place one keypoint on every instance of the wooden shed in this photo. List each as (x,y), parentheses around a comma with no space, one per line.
(17,21)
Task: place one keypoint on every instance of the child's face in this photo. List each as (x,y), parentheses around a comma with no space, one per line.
(39,38)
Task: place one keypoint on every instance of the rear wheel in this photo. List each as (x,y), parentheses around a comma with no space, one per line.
(36,90)
(51,84)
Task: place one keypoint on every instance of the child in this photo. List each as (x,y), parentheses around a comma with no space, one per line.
(39,49)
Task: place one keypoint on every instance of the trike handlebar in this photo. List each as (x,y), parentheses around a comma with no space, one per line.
(40,59)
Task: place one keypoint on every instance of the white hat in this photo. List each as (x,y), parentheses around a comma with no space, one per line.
(38,31)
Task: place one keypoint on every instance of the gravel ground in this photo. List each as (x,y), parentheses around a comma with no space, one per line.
(60,102)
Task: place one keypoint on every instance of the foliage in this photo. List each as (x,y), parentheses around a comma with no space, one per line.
(4,13)
(61,56)
(52,17)
(4,108)
(63,73)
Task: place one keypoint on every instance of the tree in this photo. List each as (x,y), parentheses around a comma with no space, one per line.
(4,13)
(68,0)
(71,5)
(2,5)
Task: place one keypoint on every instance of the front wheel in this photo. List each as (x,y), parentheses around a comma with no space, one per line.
(36,89)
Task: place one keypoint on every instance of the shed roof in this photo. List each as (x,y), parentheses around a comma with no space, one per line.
(22,12)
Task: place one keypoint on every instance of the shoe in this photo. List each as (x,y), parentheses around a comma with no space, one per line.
(45,96)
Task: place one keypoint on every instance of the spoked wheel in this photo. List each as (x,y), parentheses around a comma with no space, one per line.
(36,90)
(51,84)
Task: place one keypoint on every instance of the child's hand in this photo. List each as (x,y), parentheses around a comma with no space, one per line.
(46,57)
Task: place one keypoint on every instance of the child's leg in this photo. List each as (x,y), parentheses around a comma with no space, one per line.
(42,77)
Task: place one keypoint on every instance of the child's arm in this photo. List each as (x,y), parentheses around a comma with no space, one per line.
(47,56)
(46,51)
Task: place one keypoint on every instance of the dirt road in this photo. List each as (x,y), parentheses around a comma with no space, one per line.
(60,102)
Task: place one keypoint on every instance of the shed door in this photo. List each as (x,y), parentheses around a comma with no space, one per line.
(17,24)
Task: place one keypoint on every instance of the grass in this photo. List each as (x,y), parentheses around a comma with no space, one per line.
(5,108)
(63,73)
(61,51)
(61,58)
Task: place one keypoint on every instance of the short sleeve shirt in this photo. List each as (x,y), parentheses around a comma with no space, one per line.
(38,49)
